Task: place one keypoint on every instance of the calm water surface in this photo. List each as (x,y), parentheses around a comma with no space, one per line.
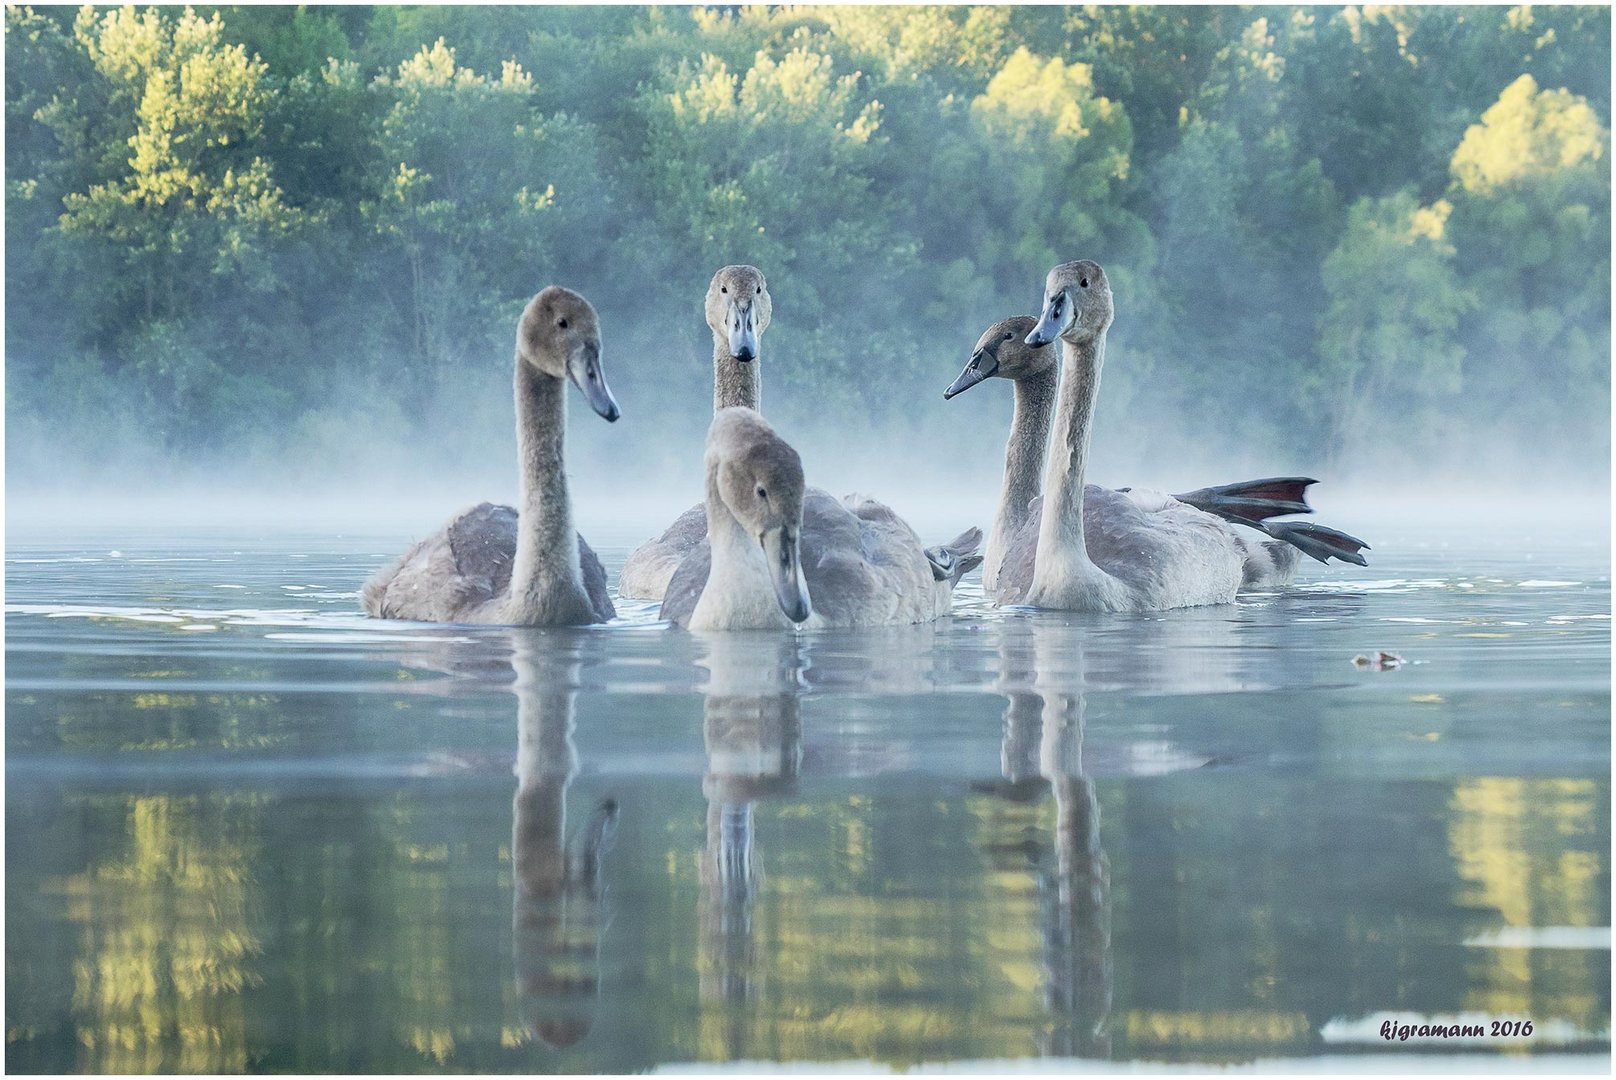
(247,828)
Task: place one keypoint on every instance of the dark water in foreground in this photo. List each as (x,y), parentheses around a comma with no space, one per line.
(248,829)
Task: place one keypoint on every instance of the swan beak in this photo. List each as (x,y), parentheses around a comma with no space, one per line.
(983,365)
(743,342)
(589,377)
(785,571)
(1050,324)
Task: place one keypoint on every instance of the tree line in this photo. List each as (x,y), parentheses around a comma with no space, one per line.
(1335,232)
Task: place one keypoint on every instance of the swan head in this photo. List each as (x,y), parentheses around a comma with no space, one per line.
(559,336)
(1002,351)
(738,309)
(1077,304)
(759,477)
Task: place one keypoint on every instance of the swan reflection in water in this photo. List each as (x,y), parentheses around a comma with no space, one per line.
(752,730)
(559,915)
(1042,679)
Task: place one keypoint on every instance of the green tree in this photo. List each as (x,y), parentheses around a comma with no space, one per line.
(770,166)
(1389,365)
(176,209)
(467,176)
(1531,222)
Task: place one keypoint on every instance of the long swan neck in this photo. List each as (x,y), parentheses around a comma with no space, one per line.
(546,542)
(1060,534)
(734,383)
(1024,453)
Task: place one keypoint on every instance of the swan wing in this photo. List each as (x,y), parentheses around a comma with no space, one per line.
(838,561)
(1020,557)
(483,544)
(686,584)
(1167,553)
(650,566)
(594,575)
(443,577)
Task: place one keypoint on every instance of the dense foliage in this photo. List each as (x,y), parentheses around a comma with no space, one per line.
(1345,234)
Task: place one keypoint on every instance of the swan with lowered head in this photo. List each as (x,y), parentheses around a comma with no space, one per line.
(528,567)
(1092,549)
(738,308)
(1002,352)
(778,552)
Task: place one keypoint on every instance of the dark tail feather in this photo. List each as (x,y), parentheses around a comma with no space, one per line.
(1254,500)
(958,557)
(1319,541)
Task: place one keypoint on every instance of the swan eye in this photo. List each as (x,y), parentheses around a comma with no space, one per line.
(1084,283)
(1007,337)
(562,323)
(762,494)
(760,290)
(723,288)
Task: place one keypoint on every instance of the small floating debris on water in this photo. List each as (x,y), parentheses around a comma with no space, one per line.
(1378,661)
(114,554)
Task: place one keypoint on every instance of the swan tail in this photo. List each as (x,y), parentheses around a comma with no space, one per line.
(1253,500)
(1320,541)
(958,557)
(373,595)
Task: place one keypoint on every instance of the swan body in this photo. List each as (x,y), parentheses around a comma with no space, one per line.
(499,565)
(778,552)
(738,309)
(1087,548)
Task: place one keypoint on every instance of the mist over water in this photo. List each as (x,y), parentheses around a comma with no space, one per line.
(633,477)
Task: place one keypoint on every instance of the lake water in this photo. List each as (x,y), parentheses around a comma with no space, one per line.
(247,828)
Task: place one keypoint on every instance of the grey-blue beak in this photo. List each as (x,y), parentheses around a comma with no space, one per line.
(1055,318)
(590,377)
(785,571)
(983,365)
(743,342)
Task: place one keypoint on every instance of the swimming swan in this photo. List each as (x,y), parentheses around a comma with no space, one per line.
(738,309)
(778,552)
(1002,352)
(492,564)
(1092,549)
